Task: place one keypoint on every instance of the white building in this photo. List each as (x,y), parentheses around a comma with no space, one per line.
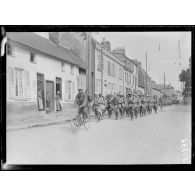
(34,66)
(130,71)
(112,79)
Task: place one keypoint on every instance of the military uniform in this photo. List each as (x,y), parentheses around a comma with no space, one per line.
(131,107)
(81,101)
(115,102)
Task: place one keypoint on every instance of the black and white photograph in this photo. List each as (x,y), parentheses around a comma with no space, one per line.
(102,98)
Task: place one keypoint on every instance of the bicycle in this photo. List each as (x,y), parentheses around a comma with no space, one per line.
(78,120)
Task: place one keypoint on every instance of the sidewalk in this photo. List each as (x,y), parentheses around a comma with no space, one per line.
(28,120)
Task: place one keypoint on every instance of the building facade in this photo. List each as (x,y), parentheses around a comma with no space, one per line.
(144,81)
(130,71)
(155,91)
(35,67)
(109,77)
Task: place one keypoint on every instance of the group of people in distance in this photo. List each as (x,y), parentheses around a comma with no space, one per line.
(131,105)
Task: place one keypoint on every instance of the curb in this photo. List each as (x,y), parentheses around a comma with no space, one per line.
(39,125)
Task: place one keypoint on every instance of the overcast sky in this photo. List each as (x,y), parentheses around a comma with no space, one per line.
(166,60)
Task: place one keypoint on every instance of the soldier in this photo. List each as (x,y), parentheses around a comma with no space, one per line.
(81,103)
(147,105)
(136,106)
(141,105)
(97,108)
(155,106)
(126,106)
(150,105)
(115,103)
(121,105)
(109,106)
(103,103)
(131,106)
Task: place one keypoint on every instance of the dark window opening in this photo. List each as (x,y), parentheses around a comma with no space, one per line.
(9,50)
(32,57)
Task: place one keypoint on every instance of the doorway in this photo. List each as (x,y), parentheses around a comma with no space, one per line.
(59,86)
(40,92)
(50,95)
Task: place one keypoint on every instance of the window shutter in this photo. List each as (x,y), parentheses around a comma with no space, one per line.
(66,90)
(27,84)
(73,90)
(11,82)
(108,67)
(112,69)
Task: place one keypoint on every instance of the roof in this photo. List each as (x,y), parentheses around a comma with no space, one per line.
(140,69)
(124,58)
(43,45)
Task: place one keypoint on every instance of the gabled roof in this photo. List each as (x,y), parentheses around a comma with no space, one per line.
(43,45)
(124,58)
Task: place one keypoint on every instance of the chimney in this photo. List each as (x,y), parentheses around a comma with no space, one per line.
(119,50)
(108,45)
(54,37)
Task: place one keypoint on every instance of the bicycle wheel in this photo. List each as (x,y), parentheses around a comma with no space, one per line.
(74,123)
(87,122)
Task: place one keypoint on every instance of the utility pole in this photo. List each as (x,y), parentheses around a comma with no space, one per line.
(88,61)
(146,74)
(102,64)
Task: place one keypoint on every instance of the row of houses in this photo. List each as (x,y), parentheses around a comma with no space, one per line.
(42,62)
(38,63)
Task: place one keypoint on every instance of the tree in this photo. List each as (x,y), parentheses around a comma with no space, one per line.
(185,77)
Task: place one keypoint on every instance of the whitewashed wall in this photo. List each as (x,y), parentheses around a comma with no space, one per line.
(50,67)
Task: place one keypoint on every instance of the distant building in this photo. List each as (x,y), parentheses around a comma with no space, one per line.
(145,85)
(169,93)
(155,91)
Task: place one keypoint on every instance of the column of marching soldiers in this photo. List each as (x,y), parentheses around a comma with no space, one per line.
(131,105)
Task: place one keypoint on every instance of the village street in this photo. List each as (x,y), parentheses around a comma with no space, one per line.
(153,139)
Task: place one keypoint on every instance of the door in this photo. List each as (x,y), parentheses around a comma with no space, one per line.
(50,95)
(40,92)
(59,86)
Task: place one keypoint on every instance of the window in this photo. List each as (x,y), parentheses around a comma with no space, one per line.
(32,57)
(72,70)
(9,50)
(109,71)
(63,67)
(19,83)
(120,73)
(114,70)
